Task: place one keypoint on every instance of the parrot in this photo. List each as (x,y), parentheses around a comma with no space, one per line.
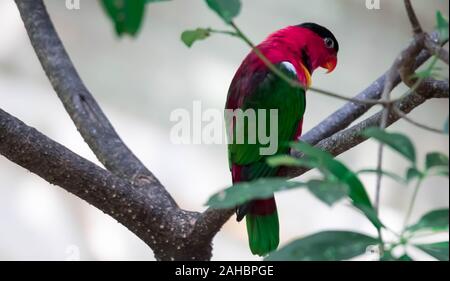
(296,51)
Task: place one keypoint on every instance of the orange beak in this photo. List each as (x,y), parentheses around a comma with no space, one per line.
(330,65)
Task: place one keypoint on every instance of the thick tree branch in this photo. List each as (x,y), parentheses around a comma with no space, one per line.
(168,231)
(88,117)
(345,140)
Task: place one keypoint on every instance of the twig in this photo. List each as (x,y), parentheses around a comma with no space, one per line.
(437,50)
(411,206)
(415,123)
(417,29)
(226,32)
(388,86)
(407,58)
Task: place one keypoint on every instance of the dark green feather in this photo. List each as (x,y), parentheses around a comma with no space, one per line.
(271,93)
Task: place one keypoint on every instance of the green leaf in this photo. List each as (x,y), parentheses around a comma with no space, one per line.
(432,71)
(325,246)
(384,173)
(329,192)
(189,37)
(435,221)
(286,160)
(243,192)
(405,257)
(226,9)
(126,15)
(436,159)
(437,250)
(427,73)
(444,172)
(330,166)
(398,142)
(412,173)
(442,26)
(283,160)
(388,256)
(437,164)
(371,214)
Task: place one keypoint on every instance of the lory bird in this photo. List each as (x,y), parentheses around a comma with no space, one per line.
(297,51)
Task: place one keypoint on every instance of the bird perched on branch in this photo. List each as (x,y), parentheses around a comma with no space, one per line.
(296,51)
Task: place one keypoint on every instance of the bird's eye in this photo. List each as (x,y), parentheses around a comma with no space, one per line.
(329,43)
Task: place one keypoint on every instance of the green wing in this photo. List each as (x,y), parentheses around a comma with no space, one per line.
(271,92)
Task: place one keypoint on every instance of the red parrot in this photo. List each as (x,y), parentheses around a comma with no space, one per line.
(297,51)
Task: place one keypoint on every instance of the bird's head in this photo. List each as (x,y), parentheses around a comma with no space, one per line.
(321,45)
(307,46)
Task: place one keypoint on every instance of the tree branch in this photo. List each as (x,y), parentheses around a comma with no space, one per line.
(417,28)
(345,140)
(167,229)
(86,114)
(433,47)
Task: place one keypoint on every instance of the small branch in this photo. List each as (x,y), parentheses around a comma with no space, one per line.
(386,95)
(405,65)
(437,50)
(411,206)
(407,57)
(417,29)
(417,124)
(226,32)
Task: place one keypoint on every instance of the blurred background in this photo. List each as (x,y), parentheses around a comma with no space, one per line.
(140,81)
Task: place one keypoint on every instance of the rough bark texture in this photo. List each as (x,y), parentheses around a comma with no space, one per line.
(126,189)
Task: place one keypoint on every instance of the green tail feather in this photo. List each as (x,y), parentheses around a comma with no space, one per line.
(263,233)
